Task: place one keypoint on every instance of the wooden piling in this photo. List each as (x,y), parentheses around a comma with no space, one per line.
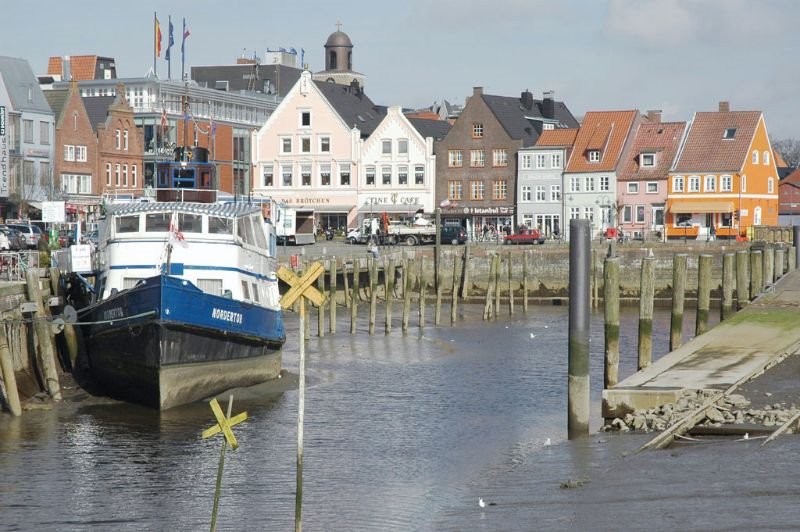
(354,296)
(46,354)
(510,289)
(525,255)
(728,267)
(487,307)
(791,259)
(423,286)
(437,311)
(454,304)
(332,289)
(389,273)
(465,278)
(756,274)
(704,264)
(373,294)
(346,294)
(611,319)
(407,285)
(768,257)
(321,308)
(742,278)
(578,382)
(497,274)
(9,377)
(647,293)
(678,300)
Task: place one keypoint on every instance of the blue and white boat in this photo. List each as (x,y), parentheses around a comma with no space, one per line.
(188,302)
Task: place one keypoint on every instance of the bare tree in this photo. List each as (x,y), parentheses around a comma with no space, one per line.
(789,149)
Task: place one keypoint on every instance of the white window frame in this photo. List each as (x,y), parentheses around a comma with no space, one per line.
(755,157)
(322,141)
(455,158)
(678,184)
(710,183)
(593,156)
(284,141)
(770,185)
(765,158)
(305,144)
(80,154)
(590,182)
(555,160)
(117,139)
(304,112)
(541,193)
(525,161)
(605,183)
(526,195)
(419,174)
(125,140)
(725,183)
(744,183)
(651,187)
(693,183)
(477,158)
(540,160)
(574,184)
(627,214)
(268,171)
(633,188)
(640,209)
(402,146)
(555,193)
(499,157)
(134,178)
(69,152)
(386,147)
(117,170)
(108,174)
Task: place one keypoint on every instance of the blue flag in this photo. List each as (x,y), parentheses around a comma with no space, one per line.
(170,40)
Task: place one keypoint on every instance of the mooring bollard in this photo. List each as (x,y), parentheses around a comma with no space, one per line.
(756,274)
(704,263)
(742,278)
(728,267)
(423,286)
(611,316)
(578,367)
(646,295)
(678,300)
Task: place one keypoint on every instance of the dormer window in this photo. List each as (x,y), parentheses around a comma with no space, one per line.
(647,160)
(477,130)
(594,156)
(729,133)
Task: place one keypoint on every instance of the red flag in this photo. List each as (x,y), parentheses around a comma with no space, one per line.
(158,38)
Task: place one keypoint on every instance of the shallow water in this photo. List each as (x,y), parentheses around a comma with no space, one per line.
(402,432)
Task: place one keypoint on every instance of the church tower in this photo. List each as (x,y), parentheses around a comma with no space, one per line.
(339,61)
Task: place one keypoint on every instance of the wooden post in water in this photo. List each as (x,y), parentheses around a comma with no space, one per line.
(465,270)
(595,284)
(580,252)
(454,305)
(437,252)
(497,274)
(678,300)
(423,286)
(704,263)
(487,307)
(407,285)
(756,274)
(611,316)
(791,263)
(728,267)
(41,327)
(742,278)
(346,282)
(9,377)
(389,273)
(354,296)
(780,262)
(646,295)
(510,289)
(525,255)
(301,408)
(332,282)
(373,294)
(321,308)
(437,311)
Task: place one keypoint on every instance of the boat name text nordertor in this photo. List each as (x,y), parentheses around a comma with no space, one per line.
(227,315)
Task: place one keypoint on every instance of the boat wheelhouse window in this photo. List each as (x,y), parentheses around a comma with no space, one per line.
(258,229)
(220,226)
(245,290)
(244,230)
(255,292)
(130,282)
(190,223)
(128,224)
(157,222)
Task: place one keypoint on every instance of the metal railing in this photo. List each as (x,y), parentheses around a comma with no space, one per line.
(14,264)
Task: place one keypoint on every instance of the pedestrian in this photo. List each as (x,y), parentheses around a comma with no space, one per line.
(372,249)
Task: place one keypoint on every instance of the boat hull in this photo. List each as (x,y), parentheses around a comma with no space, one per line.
(157,344)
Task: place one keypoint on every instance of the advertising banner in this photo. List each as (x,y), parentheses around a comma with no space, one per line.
(5,163)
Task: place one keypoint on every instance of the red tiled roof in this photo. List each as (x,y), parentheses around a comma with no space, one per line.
(705,149)
(779,160)
(792,179)
(558,137)
(54,66)
(82,67)
(661,138)
(612,127)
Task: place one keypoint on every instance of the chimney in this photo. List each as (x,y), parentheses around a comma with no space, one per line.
(477,91)
(66,68)
(654,116)
(724,107)
(527,99)
(549,105)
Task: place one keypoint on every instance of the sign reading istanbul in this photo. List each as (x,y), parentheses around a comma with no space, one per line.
(3,154)
(502,211)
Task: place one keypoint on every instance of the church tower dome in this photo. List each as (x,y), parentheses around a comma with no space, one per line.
(339,60)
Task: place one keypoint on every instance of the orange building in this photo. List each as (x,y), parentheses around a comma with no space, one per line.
(724,180)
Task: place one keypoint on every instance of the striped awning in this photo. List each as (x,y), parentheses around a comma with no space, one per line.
(700,207)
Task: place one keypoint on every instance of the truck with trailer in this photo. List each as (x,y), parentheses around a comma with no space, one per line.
(295,226)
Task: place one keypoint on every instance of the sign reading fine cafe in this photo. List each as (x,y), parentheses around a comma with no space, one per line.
(3,154)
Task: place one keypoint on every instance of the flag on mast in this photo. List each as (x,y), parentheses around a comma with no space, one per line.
(158,38)
(183,49)
(170,42)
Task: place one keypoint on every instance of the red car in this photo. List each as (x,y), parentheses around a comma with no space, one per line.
(525,236)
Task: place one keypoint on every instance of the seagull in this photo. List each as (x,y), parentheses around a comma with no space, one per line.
(746,436)
(484,504)
(547,442)
(533,335)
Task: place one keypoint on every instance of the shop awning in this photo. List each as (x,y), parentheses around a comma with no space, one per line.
(700,207)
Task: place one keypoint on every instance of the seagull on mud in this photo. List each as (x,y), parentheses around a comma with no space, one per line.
(484,504)
(547,442)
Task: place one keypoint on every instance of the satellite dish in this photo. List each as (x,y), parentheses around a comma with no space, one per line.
(70,314)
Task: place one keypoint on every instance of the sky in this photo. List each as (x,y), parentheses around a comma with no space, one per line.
(679,56)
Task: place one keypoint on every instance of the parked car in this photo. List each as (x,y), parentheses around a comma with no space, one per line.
(14,237)
(65,238)
(31,234)
(525,236)
(453,235)
(5,245)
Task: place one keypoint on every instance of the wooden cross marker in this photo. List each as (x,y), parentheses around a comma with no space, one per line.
(302,286)
(224,424)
